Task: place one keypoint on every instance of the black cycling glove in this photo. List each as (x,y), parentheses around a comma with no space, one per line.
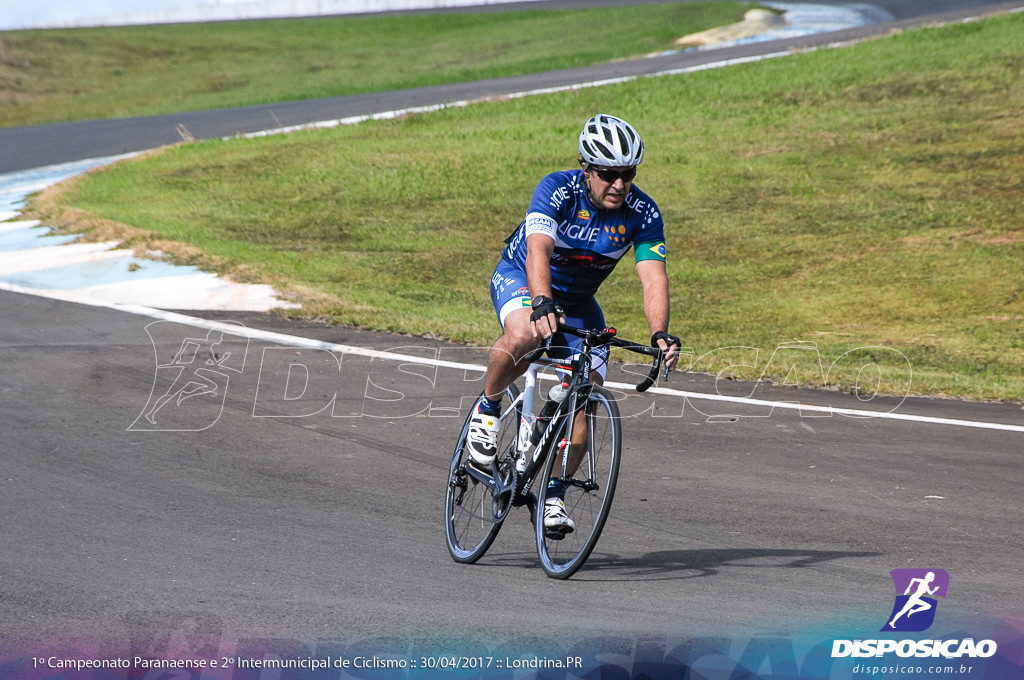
(542,306)
(667,337)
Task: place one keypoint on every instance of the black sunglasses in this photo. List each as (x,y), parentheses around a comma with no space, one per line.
(610,175)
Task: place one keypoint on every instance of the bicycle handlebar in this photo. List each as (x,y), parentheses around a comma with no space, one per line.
(608,337)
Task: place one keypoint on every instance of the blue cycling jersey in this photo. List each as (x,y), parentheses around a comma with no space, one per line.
(588,242)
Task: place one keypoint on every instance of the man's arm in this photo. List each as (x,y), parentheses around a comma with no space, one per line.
(654,281)
(539,248)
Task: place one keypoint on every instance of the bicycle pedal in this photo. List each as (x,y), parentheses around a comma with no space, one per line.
(486,469)
(557,534)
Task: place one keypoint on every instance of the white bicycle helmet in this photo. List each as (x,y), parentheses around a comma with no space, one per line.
(611,142)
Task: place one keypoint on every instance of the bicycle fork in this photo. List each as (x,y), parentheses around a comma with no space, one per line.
(572,462)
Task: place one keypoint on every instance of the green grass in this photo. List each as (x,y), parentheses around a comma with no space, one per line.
(863,197)
(60,75)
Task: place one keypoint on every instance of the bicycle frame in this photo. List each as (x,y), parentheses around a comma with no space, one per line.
(528,418)
(516,488)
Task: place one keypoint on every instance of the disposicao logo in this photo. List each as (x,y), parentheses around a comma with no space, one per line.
(916,590)
(914,611)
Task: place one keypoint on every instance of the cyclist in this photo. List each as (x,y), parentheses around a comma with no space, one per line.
(578,226)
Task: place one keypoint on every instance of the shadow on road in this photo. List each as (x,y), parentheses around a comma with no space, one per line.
(684,564)
(680,564)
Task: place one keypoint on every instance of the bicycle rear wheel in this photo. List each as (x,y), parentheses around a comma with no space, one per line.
(473,514)
(588,491)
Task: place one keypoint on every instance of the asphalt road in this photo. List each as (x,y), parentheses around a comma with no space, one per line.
(271,518)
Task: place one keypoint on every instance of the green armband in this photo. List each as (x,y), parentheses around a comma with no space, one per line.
(652,250)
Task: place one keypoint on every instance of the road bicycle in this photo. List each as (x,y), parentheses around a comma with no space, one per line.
(550,445)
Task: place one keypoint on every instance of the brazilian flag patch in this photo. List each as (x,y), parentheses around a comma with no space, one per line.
(650,251)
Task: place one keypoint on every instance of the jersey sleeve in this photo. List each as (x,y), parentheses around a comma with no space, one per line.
(552,197)
(539,223)
(649,243)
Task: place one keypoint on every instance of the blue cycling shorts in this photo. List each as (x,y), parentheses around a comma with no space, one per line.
(509,291)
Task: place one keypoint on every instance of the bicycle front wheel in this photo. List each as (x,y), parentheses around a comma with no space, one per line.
(473,513)
(589,489)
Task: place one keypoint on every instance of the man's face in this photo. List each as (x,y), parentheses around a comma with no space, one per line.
(609,186)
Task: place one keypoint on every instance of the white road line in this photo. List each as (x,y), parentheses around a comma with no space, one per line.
(461,103)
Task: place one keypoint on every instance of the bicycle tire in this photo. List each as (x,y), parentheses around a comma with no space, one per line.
(471,520)
(588,509)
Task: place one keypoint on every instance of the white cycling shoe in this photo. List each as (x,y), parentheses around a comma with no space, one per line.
(557,524)
(482,440)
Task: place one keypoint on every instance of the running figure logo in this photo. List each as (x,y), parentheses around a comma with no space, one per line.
(914,609)
(188,391)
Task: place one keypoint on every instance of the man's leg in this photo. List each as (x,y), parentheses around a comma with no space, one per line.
(508,359)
